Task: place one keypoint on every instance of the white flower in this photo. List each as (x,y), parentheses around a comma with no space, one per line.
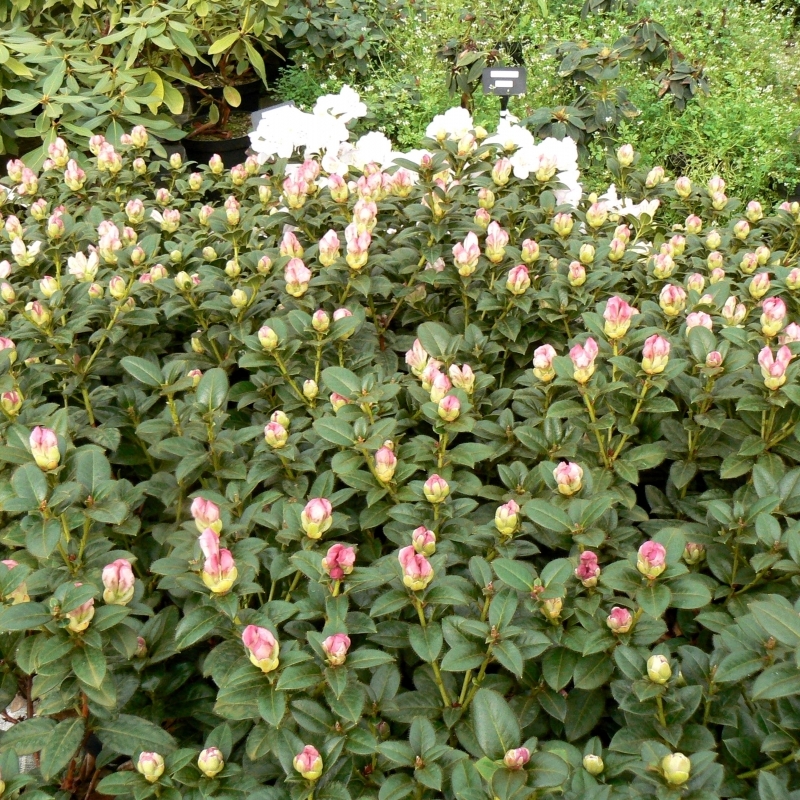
(571,195)
(82,268)
(345,106)
(373,148)
(453,124)
(511,137)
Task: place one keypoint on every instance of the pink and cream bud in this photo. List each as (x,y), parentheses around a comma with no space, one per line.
(617,315)
(517,758)
(543,363)
(335,648)
(449,408)
(773,316)
(466,255)
(588,570)
(308,763)
(569,478)
(118,582)
(506,518)
(263,649)
(436,489)
(773,369)
(339,561)
(385,463)
(151,766)
(655,355)
(651,560)
(699,319)
(518,281)
(44,448)
(78,619)
(317,517)
(297,276)
(759,285)
(576,274)
(619,620)
(417,571)
(423,541)
(583,358)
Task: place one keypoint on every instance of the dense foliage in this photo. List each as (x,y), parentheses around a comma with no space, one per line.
(416,485)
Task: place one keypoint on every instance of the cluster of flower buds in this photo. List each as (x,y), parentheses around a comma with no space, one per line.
(276,432)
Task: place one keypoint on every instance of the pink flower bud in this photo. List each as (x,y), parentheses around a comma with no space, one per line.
(338,188)
(619,620)
(338,401)
(219,569)
(715,260)
(482,218)
(7,293)
(462,377)
(597,214)
(518,281)
(569,478)
(562,224)
(617,316)
(290,245)
(759,285)
(663,266)
(717,275)
(263,648)
(339,561)
(625,155)
(435,489)
(652,560)
(317,517)
(543,363)
(151,765)
(741,230)
(683,187)
(385,463)
(423,541)
(754,211)
(588,570)
(466,255)
(576,274)
(11,402)
(773,316)
(714,359)
(78,619)
(297,276)
(654,177)
(501,171)
(623,233)
(440,386)
(449,408)
(496,241)
(329,249)
(693,224)
(210,761)
(417,358)
(417,571)
(716,184)
(357,247)
(695,282)
(506,518)
(699,319)
(693,553)
(44,448)
(583,357)
(517,758)
(275,435)
(530,251)
(195,375)
(616,250)
(790,334)
(655,354)
(10,348)
(335,648)
(402,182)
(308,763)
(118,582)
(763,254)
(773,370)
(206,515)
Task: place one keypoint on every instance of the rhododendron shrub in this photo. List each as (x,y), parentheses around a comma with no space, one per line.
(334,487)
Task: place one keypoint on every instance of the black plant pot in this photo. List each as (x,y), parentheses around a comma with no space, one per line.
(250,93)
(232,151)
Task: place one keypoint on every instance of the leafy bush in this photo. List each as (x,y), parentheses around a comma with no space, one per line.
(305,506)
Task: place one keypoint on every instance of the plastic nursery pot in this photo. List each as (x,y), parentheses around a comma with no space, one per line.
(232,151)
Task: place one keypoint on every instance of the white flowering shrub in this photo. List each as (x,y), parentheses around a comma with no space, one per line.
(421,477)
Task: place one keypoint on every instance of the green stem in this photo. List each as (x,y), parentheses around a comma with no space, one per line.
(593,417)
(87,404)
(637,408)
(769,768)
(437,675)
(293,586)
(661,717)
(442,448)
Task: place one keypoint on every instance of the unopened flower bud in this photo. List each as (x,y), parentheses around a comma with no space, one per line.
(210,762)
(651,560)
(436,489)
(517,758)
(151,765)
(308,763)
(268,338)
(118,582)
(593,764)
(310,389)
(619,620)
(625,155)
(569,478)
(676,768)
(44,448)
(317,517)
(658,669)
(694,553)
(335,648)
(423,541)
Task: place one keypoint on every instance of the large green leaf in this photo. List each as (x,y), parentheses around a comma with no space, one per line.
(61,745)
(495,724)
